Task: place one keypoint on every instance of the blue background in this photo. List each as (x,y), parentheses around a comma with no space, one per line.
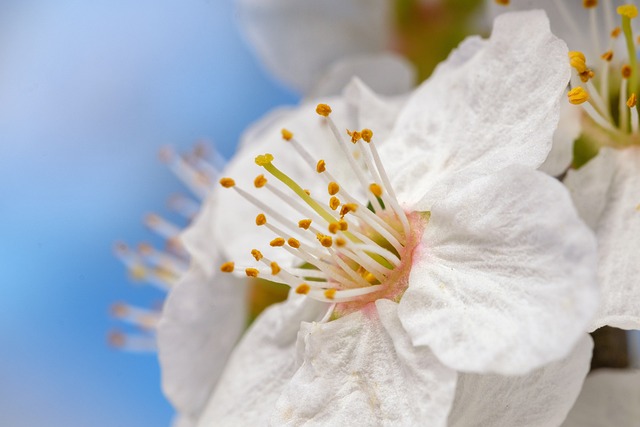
(88,93)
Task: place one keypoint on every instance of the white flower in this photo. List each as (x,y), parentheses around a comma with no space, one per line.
(466,259)
(606,191)
(609,398)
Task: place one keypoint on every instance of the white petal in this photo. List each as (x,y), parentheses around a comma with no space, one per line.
(363,368)
(297,40)
(606,192)
(202,320)
(481,112)
(260,366)
(504,280)
(569,128)
(386,73)
(199,238)
(609,398)
(182,421)
(541,398)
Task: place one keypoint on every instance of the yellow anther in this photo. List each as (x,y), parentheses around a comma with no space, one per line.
(264,159)
(375,189)
(348,207)
(615,33)
(286,134)
(333,188)
(228,267)
(261,219)
(367,134)
(323,110)
(321,166)
(334,227)
(627,10)
(227,182)
(307,191)
(578,95)
(334,202)
(275,268)
(256,254)
(251,272)
(344,225)
(626,71)
(503,2)
(588,4)
(586,76)
(340,242)
(294,243)
(578,61)
(278,241)
(304,223)
(355,135)
(260,181)
(632,101)
(607,56)
(330,293)
(303,289)
(324,240)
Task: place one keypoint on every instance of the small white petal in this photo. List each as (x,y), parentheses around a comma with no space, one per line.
(297,40)
(363,368)
(385,73)
(606,192)
(481,112)
(261,365)
(541,398)
(608,398)
(504,280)
(569,128)
(202,320)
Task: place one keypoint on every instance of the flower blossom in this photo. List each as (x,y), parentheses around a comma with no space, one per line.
(605,126)
(428,260)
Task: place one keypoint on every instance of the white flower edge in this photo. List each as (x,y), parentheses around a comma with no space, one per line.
(541,398)
(482,109)
(606,192)
(608,398)
(201,322)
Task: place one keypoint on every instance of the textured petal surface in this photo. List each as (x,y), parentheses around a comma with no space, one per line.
(202,320)
(297,40)
(385,73)
(541,398)
(608,398)
(606,192)
(504,280)
(482,110)
(363,370)
(569,128)
(260,366)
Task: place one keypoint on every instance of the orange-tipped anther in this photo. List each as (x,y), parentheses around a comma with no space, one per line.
(333,188)
(367,134)
(330,293)
(286,134)
(323,110)
(321,166)
(260,181)
(303,289)
(256,254)
(227,182)
(304,223)
(261,219)
(278,241)
(334,202)
(275,268)
(293,242)
(252,272)
(228,267)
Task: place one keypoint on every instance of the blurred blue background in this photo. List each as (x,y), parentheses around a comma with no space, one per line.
(89,91)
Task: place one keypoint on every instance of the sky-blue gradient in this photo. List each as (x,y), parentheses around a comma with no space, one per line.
(88,93)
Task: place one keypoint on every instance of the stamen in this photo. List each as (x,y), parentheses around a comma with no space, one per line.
(227,182)
(286,134)
(260,181)
(293,242)
(278,241)
(228,267)
(304,223)
(257,254)
(578,95)
(321,166)
(333,188)
(261,219)
(251,272)
(629,12)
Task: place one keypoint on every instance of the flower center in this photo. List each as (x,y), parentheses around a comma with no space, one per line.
(350,251)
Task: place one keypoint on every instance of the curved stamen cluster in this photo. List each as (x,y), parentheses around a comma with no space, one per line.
(347,249)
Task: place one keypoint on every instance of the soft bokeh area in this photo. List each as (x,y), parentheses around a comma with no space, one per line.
(89,91)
